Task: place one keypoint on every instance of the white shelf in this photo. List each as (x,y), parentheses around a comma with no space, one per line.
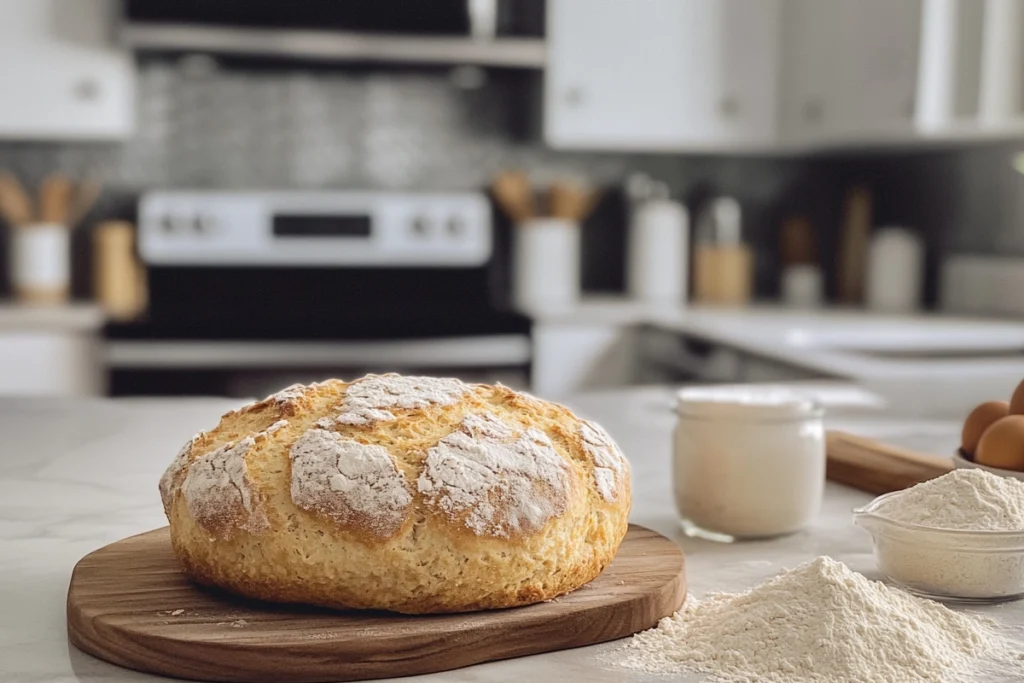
(969,131)
(956,133)
(528,53)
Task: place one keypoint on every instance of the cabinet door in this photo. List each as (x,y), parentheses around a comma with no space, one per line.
(808,64)
(848,69)
(878,71)
(661,74)
(60,74)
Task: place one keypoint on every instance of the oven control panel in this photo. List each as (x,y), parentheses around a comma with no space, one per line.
(315,229)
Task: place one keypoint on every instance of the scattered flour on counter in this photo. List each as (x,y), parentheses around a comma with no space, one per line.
(821,623)
(963,499)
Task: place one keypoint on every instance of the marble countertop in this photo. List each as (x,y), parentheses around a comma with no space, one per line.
(765,327)
(935,355)
(77,475)
(854,343)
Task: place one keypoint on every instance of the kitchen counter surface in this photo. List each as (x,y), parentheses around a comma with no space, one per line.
(850,343)
(79,317)
(844,342)
(982,358)
(77,475)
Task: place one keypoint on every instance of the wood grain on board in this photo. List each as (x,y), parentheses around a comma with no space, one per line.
(130,604)
(877,467)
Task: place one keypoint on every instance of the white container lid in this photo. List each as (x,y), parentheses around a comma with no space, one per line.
(746,402)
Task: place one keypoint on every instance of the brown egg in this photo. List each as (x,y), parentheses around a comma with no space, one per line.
(978,421)
(1002,444)
(1017,400)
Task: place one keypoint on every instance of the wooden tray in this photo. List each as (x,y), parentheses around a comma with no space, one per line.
(130,604)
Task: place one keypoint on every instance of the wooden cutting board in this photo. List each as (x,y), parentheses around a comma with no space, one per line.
(130,604)
(877,467)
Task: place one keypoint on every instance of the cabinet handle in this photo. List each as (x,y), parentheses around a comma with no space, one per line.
(813,111)
(574,96)
(729,107)
(909,107)
(86,90)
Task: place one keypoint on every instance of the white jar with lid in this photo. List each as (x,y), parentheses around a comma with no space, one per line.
(749,461)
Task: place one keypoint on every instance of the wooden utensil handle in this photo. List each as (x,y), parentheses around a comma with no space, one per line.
(876,467)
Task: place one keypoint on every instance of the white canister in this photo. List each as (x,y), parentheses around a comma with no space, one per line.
(41,262)
(749,461)
(895,271)
(803,285)
(657,252)
(546,265)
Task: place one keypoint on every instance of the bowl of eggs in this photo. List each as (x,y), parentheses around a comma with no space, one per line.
(993,437)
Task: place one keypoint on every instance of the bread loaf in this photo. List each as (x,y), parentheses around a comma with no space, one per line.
(411,494)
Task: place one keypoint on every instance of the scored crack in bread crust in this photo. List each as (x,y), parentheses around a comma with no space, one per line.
(411,494)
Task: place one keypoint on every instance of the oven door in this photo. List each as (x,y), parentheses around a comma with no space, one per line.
(234,331)
(246,369)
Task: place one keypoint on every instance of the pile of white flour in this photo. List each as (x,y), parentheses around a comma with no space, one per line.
(820,622)
(962,499)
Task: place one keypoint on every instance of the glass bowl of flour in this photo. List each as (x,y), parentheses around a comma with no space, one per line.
(956,538)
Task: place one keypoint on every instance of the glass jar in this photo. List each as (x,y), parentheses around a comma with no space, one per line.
(749,461)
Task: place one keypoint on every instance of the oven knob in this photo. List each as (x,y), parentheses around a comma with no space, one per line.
(168,224)
(205,223)
(177,225)
(421,226)
(456,226)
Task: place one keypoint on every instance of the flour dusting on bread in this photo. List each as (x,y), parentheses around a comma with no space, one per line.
(609,463)
(289,393)
(356,485)
(280,424)
(504,483)
(219,493)
(170,482)
(371,399)
(279,398)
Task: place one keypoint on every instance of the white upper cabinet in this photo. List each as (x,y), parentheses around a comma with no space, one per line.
(646,74)
(729,74)
(848,70)
(61,76)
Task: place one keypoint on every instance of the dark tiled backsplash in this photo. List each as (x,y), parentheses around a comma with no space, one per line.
(206,127)
(203,127)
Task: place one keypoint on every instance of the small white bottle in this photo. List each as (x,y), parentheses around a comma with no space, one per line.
(657,252)
(803,286)
(895,270)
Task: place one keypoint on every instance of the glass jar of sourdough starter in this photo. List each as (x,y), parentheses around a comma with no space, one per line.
(749,461)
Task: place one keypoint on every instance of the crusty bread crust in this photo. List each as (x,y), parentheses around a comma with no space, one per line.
(542,512)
